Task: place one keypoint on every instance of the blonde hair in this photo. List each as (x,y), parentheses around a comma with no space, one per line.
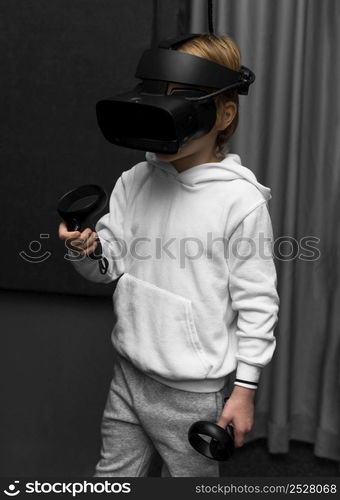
(220,49)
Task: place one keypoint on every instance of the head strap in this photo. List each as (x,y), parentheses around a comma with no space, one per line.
(180,67)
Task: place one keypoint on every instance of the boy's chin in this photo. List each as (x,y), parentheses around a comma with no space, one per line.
(164,157)
(167,157)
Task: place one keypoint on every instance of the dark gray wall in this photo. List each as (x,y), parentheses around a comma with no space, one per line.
(57,60)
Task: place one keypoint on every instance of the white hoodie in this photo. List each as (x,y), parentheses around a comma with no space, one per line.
(196,296)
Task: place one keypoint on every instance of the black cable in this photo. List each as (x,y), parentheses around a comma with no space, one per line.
(210,16)
(247,77)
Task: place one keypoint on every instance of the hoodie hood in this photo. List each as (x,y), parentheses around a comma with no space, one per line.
(228,169)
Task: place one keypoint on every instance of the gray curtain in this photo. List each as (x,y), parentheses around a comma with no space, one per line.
(289,135)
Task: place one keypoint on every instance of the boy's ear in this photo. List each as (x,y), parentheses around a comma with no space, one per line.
(226,112)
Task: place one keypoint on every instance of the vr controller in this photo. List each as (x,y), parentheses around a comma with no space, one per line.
(79,204)
(220,447)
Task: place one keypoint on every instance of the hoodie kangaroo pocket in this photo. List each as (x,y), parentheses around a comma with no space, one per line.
(155,330)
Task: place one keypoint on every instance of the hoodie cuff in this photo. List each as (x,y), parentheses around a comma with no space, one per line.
(247,375)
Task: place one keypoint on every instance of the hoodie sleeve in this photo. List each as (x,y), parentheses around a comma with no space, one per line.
(252,286)
(110,231)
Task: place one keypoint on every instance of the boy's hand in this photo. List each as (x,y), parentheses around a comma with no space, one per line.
(83,242)
(239,412)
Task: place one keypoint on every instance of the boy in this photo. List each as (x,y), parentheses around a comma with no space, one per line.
(185,320)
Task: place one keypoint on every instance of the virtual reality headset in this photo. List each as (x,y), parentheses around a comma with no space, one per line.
(147,118)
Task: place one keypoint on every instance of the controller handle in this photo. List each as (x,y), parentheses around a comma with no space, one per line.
(74,208)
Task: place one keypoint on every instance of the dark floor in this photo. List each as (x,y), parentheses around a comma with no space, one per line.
(253,460)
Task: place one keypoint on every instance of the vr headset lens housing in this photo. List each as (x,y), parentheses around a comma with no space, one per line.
(148,119)
(159,123)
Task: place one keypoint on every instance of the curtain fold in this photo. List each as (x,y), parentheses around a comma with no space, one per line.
(288,135)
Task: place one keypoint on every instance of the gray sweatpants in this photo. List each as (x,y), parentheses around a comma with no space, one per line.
(142,415)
